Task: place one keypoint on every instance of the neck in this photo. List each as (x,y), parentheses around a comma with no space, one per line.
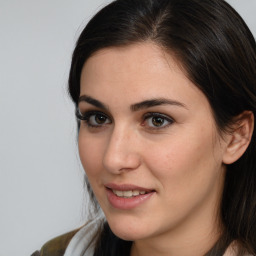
(194,238)
(198,247)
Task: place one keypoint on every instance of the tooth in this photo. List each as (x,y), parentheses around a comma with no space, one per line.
(127,193)
(119,193)
(135,192)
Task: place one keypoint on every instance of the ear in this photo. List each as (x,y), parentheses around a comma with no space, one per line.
(240,137)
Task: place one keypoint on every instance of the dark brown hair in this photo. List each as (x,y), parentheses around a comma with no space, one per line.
(217,51)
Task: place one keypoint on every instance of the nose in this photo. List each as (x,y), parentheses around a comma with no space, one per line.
(121,153)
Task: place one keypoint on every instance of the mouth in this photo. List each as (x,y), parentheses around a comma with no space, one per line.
(128,193)
(126,197)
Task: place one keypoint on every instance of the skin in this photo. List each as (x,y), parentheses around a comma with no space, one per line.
(182,159)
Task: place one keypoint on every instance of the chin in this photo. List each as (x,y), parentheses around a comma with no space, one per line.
(127,235)
(128,230)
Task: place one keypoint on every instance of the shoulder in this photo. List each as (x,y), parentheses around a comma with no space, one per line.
(74,242)
(234,249)
(56,246)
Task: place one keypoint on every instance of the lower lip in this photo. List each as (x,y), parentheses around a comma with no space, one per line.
(127,203)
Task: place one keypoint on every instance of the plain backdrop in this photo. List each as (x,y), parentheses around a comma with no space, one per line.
(41,180)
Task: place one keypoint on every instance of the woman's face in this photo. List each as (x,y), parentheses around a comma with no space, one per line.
(148,144)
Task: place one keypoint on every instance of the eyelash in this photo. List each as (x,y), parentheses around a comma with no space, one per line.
(164,118)
(150,115)
(86,118)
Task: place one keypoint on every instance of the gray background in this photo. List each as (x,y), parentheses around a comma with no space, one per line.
(41,180)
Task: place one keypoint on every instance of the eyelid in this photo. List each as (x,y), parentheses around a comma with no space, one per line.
(84,116)
(79,115)
(149,115)
(157,114)
(88,114)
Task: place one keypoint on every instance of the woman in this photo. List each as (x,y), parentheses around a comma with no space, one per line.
(165,94)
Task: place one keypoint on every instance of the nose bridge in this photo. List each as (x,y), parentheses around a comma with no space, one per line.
(121,152)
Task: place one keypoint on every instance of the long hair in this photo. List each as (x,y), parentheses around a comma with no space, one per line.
(218,54)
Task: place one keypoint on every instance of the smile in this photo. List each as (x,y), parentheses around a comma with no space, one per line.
(126,197)
(128,193)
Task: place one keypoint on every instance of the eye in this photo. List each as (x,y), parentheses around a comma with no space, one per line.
(97,120)
(157,120)
(93,118)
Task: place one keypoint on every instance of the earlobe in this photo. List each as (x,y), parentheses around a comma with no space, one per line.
(240,137)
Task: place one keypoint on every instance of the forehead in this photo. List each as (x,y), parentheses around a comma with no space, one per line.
(137,72)
(143,53)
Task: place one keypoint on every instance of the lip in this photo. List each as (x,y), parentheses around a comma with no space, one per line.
(125,187)
(122,203)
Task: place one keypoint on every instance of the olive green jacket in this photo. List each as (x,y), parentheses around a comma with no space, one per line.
(56,246)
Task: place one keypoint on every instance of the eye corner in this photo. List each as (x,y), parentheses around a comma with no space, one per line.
(78,114)
(93,119)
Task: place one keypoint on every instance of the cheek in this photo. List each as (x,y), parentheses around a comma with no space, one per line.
(91,153)
(185,163)
(188,179)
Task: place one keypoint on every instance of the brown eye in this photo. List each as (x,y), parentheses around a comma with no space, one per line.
(93,118)
(157,121)
(96,119)
(99,119)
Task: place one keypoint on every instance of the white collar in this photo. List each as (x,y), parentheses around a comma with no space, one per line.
(232,250)
(83,242)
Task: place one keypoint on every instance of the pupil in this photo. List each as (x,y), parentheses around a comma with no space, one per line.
(100,119)
(157,121)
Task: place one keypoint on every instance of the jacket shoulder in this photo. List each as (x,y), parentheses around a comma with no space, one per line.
(57,246)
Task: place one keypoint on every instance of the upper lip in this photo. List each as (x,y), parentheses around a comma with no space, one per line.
(126,187)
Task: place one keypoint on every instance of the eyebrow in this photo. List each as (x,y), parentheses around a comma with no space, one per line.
(156,102)
(92,101)
(137,106)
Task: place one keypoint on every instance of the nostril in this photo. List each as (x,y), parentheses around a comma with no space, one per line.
(121,161)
